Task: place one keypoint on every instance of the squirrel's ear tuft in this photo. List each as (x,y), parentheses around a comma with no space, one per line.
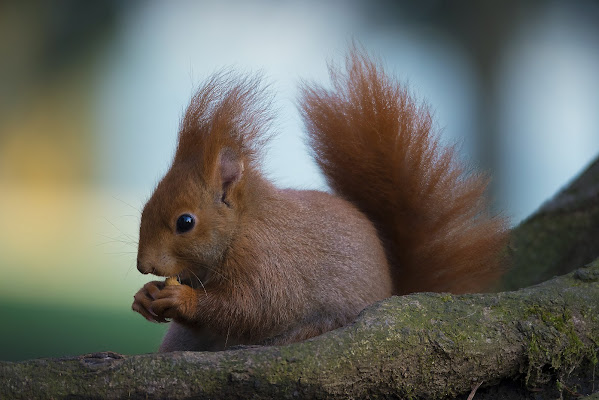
(230,168)
(228,110)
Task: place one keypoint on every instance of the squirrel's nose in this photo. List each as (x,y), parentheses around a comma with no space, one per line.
(141,268)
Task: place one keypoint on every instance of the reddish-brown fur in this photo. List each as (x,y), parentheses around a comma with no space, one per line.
(265,265)
(377,148)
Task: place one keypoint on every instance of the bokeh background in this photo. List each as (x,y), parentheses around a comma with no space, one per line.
(91,94)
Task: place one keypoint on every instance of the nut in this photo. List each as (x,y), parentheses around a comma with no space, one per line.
(171,281)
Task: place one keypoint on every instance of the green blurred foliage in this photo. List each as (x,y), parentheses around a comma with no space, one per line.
(40,330)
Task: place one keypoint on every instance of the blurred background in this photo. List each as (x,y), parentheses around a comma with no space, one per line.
(91,94)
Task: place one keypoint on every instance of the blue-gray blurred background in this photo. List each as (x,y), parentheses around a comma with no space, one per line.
(91,94)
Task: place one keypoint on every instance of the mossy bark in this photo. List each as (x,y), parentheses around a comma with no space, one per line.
(537,342)
(561,236)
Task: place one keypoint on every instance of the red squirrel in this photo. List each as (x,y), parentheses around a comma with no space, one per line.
(263,265)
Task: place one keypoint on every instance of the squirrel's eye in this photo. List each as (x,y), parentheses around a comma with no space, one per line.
(185,222)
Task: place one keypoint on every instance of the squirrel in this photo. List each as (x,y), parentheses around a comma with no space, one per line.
(263,265)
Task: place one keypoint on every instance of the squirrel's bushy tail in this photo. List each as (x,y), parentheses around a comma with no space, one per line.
(378,149)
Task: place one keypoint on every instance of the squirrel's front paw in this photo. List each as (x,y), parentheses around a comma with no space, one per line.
(143,299)
(175,302)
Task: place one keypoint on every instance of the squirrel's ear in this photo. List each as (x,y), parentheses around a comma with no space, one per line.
(230,168)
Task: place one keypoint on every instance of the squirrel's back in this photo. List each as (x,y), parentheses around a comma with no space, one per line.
(321,256)
(377,148)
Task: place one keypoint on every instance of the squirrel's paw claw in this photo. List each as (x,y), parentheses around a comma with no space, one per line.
(143,299)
